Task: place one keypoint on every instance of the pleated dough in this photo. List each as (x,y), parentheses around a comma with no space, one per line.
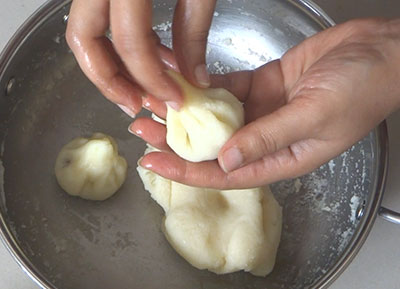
(208,118)
(91,167)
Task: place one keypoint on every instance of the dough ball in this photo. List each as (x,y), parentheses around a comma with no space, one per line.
(208,118)
(91,167)
(222,231)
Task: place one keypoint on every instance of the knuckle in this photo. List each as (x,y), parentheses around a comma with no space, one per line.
(124,43)
(266,140)
(196,38)
(363,30)
(199,36)
(71,35)
(392,27)
(365,25)
(316,114)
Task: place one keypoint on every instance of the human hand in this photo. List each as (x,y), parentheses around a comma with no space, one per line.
(134,62)
(318,100)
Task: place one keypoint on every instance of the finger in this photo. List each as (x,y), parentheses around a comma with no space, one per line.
(135,43)
(266,93)
(151,132)
(238,83)
(297,160)
(261,90)
(192,21)
(268,134)
(294,161)
(166,54)
(170,166)
(88,22)
(168,57)
(284,164)
(155,105)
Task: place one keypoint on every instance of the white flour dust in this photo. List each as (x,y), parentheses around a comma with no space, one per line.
(165,26)
(354,203)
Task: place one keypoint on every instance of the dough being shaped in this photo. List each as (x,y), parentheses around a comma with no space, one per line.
(208,118)
(91,167)
(222,231)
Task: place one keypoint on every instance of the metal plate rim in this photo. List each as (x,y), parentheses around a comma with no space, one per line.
(308,7)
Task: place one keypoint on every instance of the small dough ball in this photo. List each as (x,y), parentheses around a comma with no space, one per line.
(208,118)
(222,231)
(91,167)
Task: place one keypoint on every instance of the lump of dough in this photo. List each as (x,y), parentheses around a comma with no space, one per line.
(208,118)
(91,167)
(222,231)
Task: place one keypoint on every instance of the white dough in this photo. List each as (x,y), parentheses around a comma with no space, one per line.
(222,231)
(91,167)
(208,118)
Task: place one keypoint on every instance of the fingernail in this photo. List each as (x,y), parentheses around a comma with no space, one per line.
(232,159)
(146,103)
(201,74)
(169,64)
(173,105)
(145,165)
(127,110)
(139,161)
(137,132)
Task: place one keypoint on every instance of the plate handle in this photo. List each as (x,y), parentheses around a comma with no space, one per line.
(389,215)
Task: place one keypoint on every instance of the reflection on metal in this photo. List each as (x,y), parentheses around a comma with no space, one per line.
(360,210)
(59,103)
(10,86)
(65,18)
(389,215)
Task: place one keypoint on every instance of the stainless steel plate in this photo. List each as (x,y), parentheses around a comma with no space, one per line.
(67,242)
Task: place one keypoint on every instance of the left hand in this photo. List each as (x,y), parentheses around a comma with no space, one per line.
(301,111)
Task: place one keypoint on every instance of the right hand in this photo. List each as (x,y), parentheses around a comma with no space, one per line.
(134,62)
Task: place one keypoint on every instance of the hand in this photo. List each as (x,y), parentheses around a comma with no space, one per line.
(134,63)
(301,111)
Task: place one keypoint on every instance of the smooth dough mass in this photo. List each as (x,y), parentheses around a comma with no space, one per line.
(222,231)
(208,118)
(91,167)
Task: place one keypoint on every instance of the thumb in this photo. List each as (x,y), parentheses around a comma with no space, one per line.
(268,134)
